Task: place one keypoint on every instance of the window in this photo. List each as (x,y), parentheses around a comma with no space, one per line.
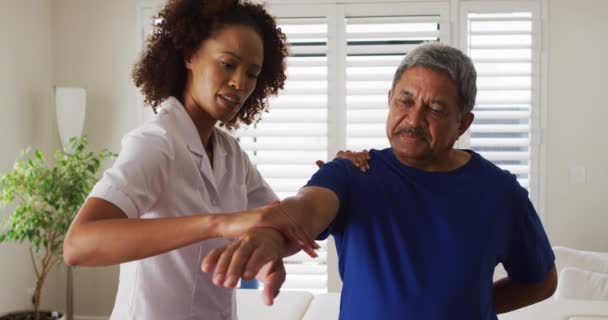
(286,143)
(374,48)
(503,42)
(342,61)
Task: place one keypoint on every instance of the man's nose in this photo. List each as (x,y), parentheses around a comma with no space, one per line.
(415,117)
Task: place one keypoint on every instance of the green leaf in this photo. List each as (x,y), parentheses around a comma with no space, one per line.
(46,196)
(39,155)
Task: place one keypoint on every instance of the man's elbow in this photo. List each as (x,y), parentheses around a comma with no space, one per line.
(549,284)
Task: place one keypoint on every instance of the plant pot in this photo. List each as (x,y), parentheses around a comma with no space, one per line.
(29,315)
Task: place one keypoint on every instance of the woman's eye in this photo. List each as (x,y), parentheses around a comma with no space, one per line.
(227,65)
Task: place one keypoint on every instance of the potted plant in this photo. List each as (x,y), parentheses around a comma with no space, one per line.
(47,198)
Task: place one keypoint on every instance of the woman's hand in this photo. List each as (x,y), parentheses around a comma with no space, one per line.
(258,253)
(270,216)
(359,159)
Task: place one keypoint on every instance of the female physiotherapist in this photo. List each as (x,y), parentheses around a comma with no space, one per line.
(168,198)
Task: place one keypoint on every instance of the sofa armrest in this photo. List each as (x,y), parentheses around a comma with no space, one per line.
(324,307)
(289,305)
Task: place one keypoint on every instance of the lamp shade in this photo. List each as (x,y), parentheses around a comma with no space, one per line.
(70,104)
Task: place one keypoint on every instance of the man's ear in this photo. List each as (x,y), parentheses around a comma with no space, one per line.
(465,123)
(390,93)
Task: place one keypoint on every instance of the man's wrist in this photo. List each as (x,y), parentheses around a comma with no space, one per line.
(281,240)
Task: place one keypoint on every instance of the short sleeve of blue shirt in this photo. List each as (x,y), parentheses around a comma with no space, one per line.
(529,256)
(335,176)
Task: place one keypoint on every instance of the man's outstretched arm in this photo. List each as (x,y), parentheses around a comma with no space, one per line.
(313,208)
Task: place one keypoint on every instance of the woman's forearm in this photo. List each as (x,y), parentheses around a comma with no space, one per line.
(112,241)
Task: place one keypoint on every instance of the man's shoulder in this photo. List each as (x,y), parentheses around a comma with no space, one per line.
(493,173)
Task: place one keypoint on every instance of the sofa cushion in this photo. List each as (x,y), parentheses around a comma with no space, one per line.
(289,305)
(586,260)
(575,283)
(324,307)
(552,309)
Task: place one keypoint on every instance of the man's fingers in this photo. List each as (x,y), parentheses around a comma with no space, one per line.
(319,163)
(256,261)
(219,275)
(273,283)
(237,265)
(210,260)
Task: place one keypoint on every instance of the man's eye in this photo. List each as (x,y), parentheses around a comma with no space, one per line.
(407,103)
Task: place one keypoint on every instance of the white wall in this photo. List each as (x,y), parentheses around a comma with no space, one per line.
(577,214)
(95,47)
(26,119)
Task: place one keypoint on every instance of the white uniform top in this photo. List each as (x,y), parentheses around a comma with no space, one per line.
(163,171)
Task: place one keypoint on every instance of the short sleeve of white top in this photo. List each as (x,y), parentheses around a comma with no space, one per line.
(162,171)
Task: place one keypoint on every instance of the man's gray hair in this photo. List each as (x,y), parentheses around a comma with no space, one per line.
(447,59)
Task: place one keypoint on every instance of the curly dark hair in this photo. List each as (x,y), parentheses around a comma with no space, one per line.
(182,27)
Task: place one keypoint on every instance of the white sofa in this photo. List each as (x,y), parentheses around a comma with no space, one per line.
(305,306)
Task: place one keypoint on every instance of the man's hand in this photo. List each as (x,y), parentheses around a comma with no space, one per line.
(273,276)
(359,159)
(258,253)
(270,216)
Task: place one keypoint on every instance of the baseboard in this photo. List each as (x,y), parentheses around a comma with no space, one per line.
(77,317)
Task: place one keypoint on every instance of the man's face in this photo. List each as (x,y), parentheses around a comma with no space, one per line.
(425,118)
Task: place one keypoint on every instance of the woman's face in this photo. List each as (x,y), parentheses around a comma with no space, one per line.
(223,72)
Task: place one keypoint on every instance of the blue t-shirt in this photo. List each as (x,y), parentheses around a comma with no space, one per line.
(423,245)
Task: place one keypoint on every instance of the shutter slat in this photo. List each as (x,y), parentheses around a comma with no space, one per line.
(394,34)
(394,20)
(501,115)
(286,147)
(506,156)
(374,61)
(500,128)
(500,142)
(498,33)
(383,49)
(282,132)
(499,19)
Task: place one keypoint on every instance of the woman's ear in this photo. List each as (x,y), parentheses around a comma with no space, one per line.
(188,63)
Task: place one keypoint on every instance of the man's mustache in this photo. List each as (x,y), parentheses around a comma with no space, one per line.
(416,131)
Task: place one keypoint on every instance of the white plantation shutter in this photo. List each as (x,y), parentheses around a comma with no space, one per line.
(504,45)
(286,143)
(375,47)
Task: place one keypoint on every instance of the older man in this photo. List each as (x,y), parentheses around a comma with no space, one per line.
(419,235)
